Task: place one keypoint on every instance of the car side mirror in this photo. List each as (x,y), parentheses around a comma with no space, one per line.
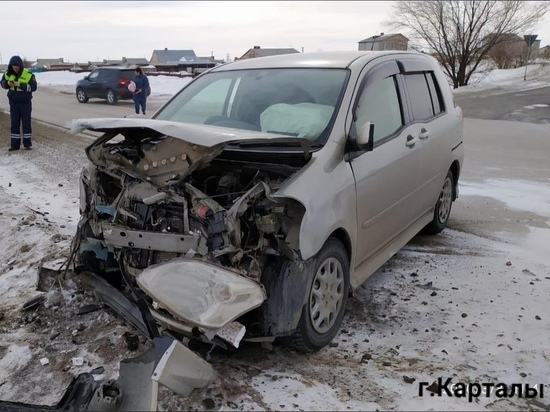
(360,141)
(365,137)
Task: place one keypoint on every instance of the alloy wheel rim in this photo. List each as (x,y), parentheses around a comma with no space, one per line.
(326,296)
(445,199)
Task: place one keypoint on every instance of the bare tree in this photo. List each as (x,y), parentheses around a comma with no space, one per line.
(510,53)
(461,32)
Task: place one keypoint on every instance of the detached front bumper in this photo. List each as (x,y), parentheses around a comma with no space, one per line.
(168,362)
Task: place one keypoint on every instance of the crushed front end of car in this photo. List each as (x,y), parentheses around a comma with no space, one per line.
(183,219)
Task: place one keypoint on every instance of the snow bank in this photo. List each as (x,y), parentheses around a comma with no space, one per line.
(160,85)
(538,75)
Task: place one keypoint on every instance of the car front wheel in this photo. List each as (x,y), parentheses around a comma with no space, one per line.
(81,96)
(442,208)
(110,97)
(327,294)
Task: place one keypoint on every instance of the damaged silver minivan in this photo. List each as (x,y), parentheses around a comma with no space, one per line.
(264,192)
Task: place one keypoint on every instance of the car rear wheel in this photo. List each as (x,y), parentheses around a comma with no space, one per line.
(111,97)
(327,295)
(81,96)
(442,208)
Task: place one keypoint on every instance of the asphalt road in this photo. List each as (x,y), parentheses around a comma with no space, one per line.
(60,107)
(504,158)
(523,106)
(507,146)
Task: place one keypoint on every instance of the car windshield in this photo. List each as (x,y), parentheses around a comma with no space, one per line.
(291,102)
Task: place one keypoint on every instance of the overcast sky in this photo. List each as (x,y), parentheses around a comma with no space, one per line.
(81,31)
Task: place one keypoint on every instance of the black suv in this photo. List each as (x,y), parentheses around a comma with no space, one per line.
(109,83)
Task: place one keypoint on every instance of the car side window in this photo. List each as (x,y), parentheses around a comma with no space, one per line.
(419,94)
(103,74)
(93,75)
(379,103)
(435,93)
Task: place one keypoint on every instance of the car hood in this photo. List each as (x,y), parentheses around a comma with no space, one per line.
(184,148)
(203,135)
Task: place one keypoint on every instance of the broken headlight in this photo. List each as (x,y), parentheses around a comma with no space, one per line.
(201,293)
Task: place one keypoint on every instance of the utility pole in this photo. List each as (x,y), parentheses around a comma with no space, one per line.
(529,39)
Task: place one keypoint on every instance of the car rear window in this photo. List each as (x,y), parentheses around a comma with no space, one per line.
(419,94)
(425,95)
(435,92)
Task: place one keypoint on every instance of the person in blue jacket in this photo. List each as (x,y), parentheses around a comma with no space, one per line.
(20,84)
(142,90)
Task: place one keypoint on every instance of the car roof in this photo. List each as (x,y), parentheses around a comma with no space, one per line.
(338,59)
(115,68)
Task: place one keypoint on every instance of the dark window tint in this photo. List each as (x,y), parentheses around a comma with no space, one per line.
(419,94)
(104,74)
(379,103)
(435,92)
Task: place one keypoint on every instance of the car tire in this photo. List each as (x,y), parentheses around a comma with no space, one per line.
(111,97)
(327,294)
(81,96)
(443,206)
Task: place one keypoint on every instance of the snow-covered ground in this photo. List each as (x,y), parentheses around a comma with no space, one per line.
(456,306)
(487,78)
(160,85)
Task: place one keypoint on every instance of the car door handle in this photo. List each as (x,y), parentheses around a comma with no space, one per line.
(424,134)
(411,140)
